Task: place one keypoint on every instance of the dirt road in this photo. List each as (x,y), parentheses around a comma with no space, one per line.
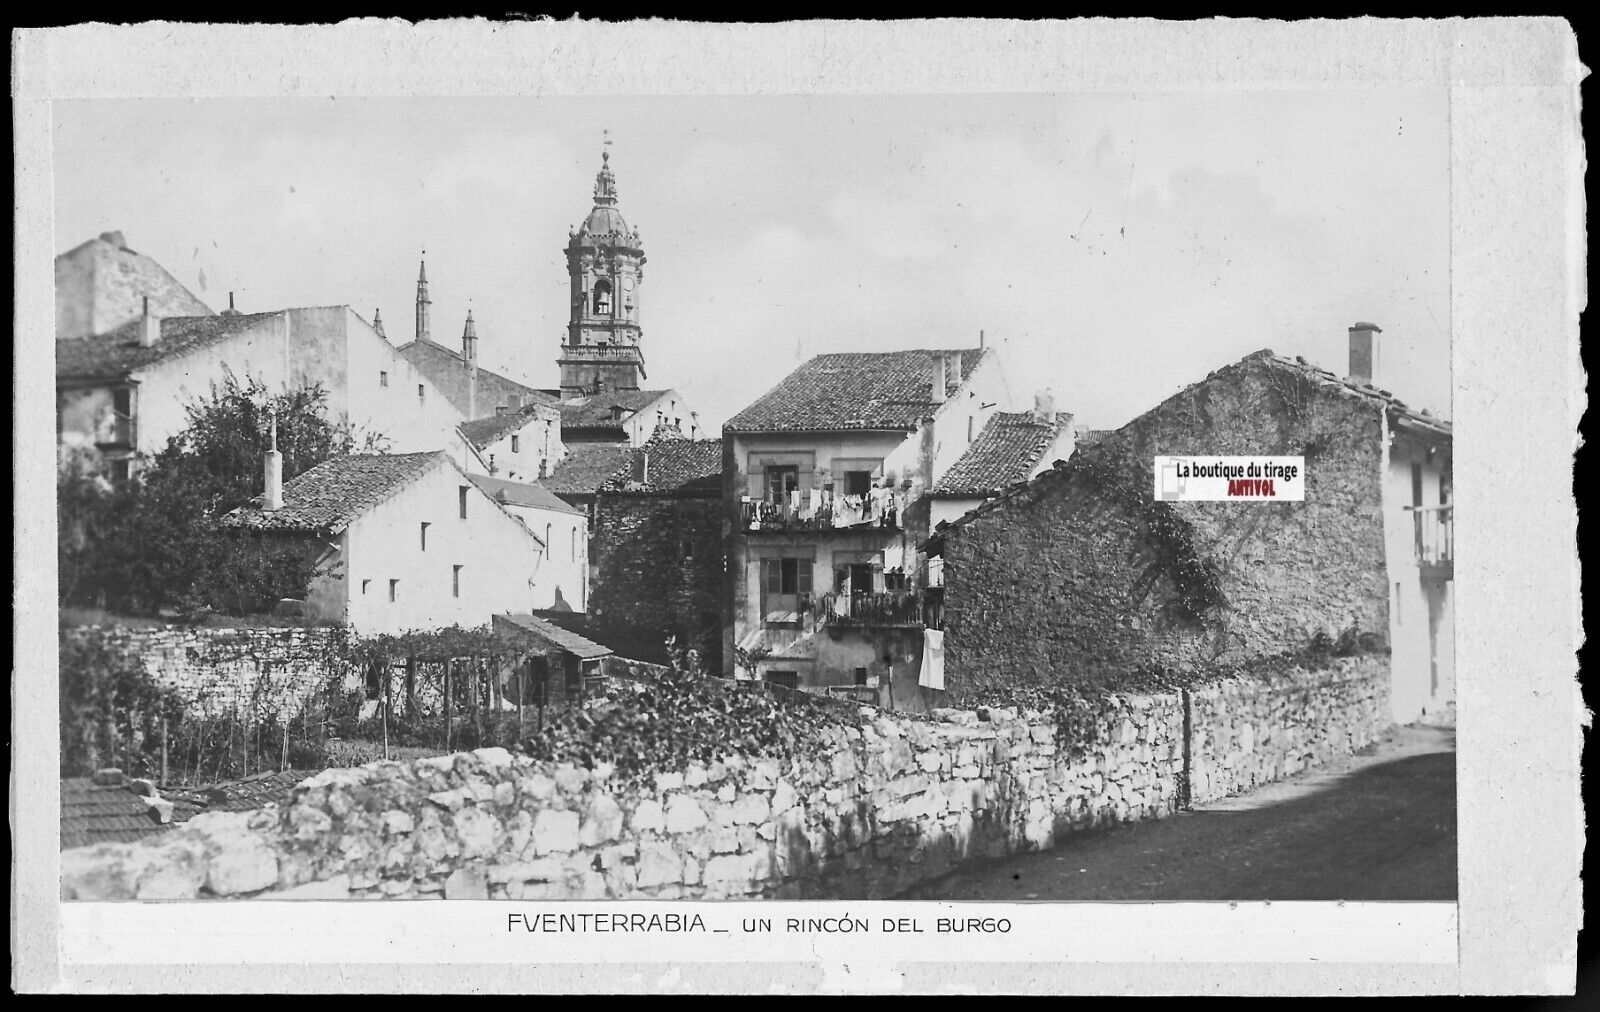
(1376,826)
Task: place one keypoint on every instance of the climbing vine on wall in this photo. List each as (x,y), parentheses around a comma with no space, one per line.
(1195,578)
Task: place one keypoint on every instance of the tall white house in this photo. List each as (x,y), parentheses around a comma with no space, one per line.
(405,542)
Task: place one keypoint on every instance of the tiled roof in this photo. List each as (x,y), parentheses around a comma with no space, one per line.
(1377,398)
(449,370)
(94,813)
(855,390)
(567,640)
(598,411)
(337,491)
(517,493)
(1364,391)
(675,466)
(1006,451)
(586,467)
(242,795)
(115,355)
(482,432)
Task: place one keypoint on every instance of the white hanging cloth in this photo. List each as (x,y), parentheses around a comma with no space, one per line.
(932,675)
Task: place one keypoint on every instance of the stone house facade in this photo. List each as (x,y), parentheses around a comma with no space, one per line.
(102,285)
(1079,574)
(659,542)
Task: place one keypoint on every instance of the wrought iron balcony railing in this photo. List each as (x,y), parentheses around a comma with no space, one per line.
(819,512)
(888,608)
(1434,528)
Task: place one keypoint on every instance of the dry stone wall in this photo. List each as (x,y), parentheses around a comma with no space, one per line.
(878,808)
(1245,733)
(219,671)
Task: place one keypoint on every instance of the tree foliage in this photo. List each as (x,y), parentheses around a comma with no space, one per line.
(111,710)
(151,543)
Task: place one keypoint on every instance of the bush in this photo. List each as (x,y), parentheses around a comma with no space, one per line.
(675,718)
(110,709)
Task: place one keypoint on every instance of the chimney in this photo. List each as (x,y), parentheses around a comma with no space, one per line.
(149,326)
(377,323)
(1044,407)
(230,311)
(641,467)
(955,366)
(981,344)
(272,499)
(936,380)
(115,239)
(1364,352)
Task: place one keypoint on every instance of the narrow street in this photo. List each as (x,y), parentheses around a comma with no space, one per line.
(1380,825)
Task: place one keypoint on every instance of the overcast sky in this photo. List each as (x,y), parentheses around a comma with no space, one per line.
(1115,247)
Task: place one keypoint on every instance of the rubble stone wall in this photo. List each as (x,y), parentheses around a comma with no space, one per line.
(878,808)
(217,671)
(1079,569)
(658,569)
(1247,733)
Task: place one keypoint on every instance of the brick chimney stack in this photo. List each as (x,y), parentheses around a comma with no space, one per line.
(1364,353)
(641,467)
(377,323)
(149,326)
(937,380)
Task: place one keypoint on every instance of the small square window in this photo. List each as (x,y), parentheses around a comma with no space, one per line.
(422,392)
(394,590)
(516,445)
(861,676)
(364,585)
(455,581)
(424,536)
(461,495)
(383,378)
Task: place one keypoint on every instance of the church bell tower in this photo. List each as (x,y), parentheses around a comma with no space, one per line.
(606,266)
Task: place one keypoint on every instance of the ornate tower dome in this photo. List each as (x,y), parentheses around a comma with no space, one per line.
(605,267)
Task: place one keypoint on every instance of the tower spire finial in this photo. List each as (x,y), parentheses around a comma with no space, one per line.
(605,184)
(423,302)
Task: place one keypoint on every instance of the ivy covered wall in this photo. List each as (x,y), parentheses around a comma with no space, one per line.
(1083,576)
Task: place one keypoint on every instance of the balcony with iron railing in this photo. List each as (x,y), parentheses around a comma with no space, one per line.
(590,352)
(885,608)
(821,511)
(1433,528)
(843,610)
(122,431)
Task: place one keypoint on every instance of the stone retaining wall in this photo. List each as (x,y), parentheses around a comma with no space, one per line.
(879,808)
(1247,733)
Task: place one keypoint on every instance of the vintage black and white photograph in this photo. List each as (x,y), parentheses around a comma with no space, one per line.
(664,498)
(949,500)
